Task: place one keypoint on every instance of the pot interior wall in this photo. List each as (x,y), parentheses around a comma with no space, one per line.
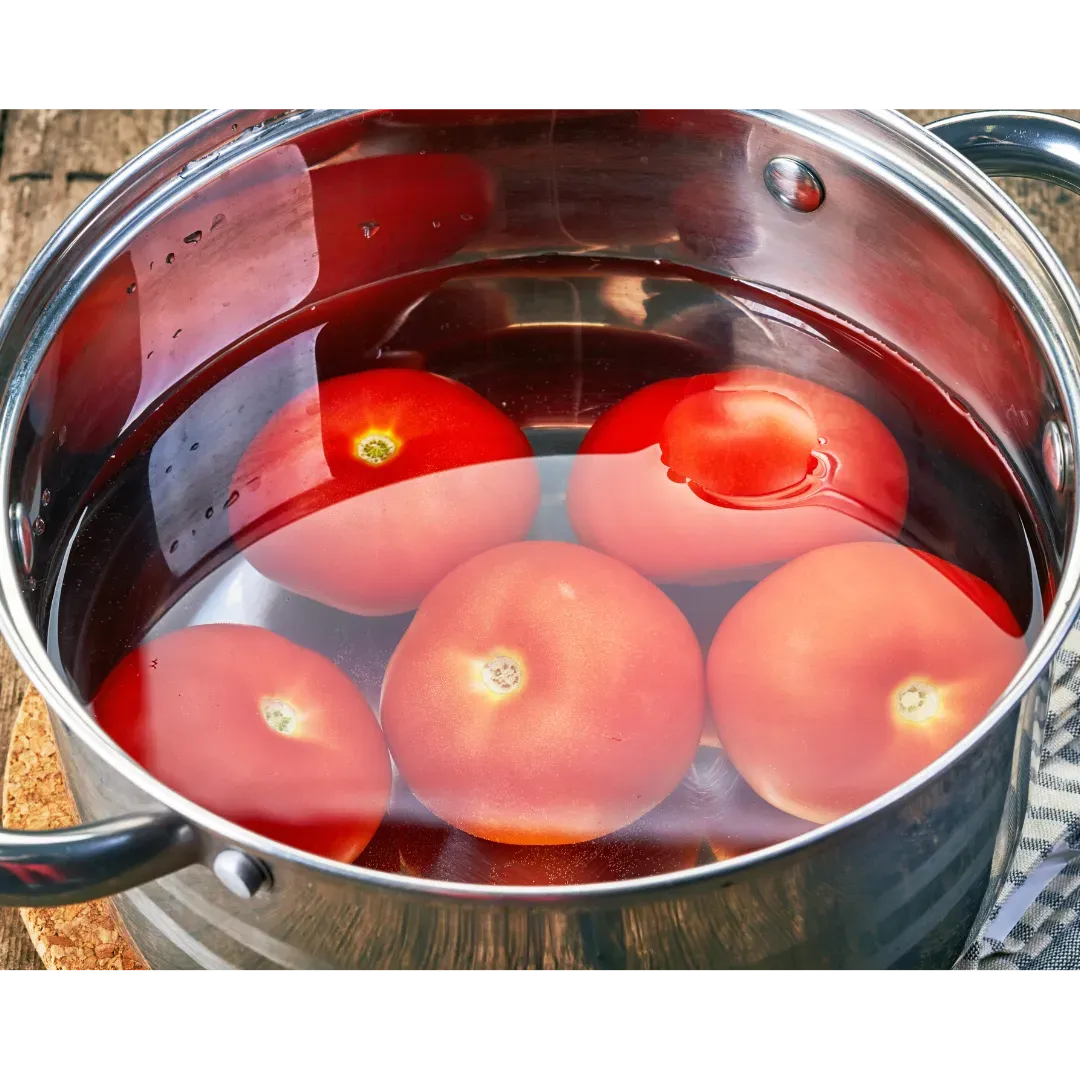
(377,213)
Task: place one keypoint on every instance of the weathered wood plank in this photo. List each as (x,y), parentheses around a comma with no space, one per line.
(50,161)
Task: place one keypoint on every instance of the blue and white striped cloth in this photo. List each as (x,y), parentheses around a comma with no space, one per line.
(1035,920)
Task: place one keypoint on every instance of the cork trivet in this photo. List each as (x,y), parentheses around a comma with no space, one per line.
(35,796)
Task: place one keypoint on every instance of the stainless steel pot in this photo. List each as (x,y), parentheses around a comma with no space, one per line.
(851,210)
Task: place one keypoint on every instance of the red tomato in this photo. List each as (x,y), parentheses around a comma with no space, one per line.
(413,841)
(709,479)
(852,668)
(739,442)
(544,694)
(365,490)
(256,729)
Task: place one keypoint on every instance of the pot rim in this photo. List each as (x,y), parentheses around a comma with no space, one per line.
(850,134)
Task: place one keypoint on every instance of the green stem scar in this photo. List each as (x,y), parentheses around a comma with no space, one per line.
(280,715)
(917,702)
(501,675)
(375,448)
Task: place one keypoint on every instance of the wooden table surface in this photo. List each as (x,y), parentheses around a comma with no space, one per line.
(50,160)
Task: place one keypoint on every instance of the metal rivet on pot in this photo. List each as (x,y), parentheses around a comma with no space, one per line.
(795,184)
(1055,453)
(22,536)
(241,874)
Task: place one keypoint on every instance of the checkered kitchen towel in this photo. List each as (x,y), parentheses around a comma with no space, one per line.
(1035,921)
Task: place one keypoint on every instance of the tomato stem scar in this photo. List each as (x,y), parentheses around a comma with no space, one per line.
(916,701)
(375,448)
(280,715)
(501,675)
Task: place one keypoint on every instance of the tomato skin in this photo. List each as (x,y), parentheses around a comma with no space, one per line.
(622,500)
(187,706)
(604,710)
(807,671)
(739,443)
(414,842)
(373,538)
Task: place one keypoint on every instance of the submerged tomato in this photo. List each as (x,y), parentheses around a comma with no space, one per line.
(413,841)
(365,490)
(852,668)
(544,694)
(256,729)
(717,477)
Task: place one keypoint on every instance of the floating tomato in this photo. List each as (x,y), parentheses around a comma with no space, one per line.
(544,694)
(256,729)
(365,490)
(852,668)
(717,477)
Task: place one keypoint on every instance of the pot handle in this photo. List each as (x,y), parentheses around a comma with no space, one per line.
(1035,146)
(70,866)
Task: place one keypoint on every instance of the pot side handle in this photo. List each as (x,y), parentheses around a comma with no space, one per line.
(70,866)
(1032,145)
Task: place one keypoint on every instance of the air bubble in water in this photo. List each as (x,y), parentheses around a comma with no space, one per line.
(39,526)
(193,238)
(436,224)
(233,496)
(170,258)
(194,446)
(370,228)
(466,217)
(131,288)
(173,546)
(46,497)
(209,513)
(219,219)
